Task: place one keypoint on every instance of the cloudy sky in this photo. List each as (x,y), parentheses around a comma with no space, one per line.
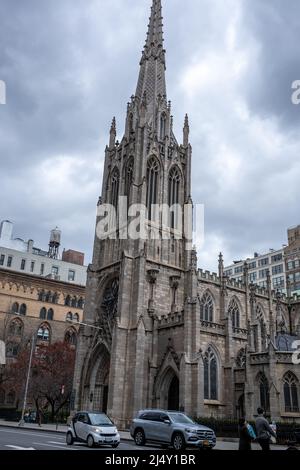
(70,65)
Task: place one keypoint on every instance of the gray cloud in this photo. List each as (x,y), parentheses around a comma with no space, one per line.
(70,66)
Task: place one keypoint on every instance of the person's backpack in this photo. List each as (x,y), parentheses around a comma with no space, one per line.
(251,431)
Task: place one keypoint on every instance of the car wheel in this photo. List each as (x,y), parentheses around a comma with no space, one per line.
(178,442)
(114,446)
(69,439)
(139,437)
(90,441)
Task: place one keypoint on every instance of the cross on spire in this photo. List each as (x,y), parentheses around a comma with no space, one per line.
(152,65)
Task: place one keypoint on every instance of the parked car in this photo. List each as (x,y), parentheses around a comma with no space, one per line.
(170,428)
(93,429)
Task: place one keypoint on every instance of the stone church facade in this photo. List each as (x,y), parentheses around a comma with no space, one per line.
(167,334)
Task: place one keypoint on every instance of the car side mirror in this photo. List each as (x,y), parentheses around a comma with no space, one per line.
(167,421)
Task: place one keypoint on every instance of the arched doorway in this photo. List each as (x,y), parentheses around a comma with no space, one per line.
(97,381)
(173,394)
(241,406)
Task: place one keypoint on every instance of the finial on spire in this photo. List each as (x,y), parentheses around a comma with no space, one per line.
(112,133)
(221,265)
(186,131)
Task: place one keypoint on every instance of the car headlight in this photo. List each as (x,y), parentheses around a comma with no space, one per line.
(190,431)
(98,430)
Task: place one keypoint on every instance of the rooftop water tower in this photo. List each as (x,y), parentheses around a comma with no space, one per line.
(54,243)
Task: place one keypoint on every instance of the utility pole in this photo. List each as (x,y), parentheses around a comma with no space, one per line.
(21,423)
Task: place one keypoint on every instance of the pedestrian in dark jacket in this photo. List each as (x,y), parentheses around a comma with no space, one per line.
(263,430)
(245,437)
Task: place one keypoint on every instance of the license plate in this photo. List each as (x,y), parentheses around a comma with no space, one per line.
(206,443)
(108,440)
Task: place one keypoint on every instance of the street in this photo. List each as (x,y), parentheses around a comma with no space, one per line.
(27,439)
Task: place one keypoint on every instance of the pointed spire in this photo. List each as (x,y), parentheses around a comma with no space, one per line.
(221,265)
(152,65)
(186,131)
(112,133)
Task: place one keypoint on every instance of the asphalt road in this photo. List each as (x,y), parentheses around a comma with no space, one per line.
(24,439)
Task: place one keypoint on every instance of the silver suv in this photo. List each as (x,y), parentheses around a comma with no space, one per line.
(170,428)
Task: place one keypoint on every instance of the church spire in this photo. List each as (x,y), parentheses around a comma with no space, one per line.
(152,66)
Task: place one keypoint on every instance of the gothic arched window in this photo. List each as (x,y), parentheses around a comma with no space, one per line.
(68,300)
(74,302)
(290,389)
(69,316)
(23,309)
(206,307)
(15,328)
(234,313)
(173,195)
(76,317)
(71,337)
(152,185)
(41,296)
(210,375)
(80,302)
(11,397)
(43,313)
(15,307)
(12,349)
(50,314)
(115,178)
(43,333)
(129,179)
(163,126)
(264,392)
(48,297)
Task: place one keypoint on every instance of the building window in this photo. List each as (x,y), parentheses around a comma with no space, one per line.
(12,349)
(278,281)
(42,269)
(129,179)
(23,264)
(238,269)
(80,303)
(115,178)
(174,186)
(15,307)
(32,266)
(15,328)
(74,302)
(241,358)
(276,258)
(277,269)
(210,375)
(252,265)
(43,333)
(76,317)
(228,272)
(69,316)
(263,262)
(68,300)
(71,275)
(9,261)
(252,277)
(71,337)
(152,186)
(290,388)
(50,314)
(234,313)
(2,258)
(54,270)
(263,273)
(23,309)
(206,308)
(43,313)
(11,398)
(163,125)
(264,392)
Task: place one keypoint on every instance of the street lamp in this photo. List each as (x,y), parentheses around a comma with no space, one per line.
(21,423)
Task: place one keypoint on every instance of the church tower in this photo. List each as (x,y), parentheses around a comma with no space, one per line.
(134,281)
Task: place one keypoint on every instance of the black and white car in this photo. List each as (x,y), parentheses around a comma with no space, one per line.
(93,429)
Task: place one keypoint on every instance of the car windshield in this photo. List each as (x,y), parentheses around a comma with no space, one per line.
(100,419)
(180,418)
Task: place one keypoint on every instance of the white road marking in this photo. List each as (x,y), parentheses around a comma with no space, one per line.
(60,443)
(50,445)
(19,448)
(29,433)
